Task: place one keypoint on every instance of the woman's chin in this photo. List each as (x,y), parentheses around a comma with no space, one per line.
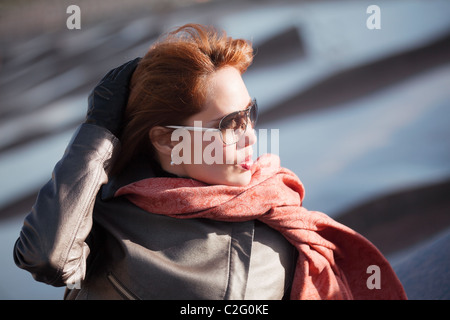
(237,175)
(241,178)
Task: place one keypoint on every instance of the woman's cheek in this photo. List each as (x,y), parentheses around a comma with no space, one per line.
(229,154)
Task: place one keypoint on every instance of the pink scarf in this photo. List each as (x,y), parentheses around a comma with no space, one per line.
(333,260)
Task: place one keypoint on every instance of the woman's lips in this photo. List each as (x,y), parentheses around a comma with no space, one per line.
(247,163)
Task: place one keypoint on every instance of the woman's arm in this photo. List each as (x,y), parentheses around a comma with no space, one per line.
(52,243)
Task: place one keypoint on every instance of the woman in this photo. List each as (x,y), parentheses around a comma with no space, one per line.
(159,220)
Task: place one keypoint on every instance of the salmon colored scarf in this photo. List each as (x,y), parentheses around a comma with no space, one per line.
(333,260)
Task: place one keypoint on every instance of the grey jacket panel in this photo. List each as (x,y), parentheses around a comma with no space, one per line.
(116,250)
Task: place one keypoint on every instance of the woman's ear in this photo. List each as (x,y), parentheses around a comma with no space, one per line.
(160,138)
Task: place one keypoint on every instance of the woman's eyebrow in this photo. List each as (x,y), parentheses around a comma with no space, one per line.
(220,118)
(246,107)
(248,104)
(214,122)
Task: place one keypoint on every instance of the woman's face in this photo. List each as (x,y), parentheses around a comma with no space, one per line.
(219,163)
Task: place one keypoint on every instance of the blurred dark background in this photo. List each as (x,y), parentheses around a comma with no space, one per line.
(363,114)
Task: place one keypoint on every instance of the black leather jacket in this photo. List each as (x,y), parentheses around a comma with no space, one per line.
(102,247)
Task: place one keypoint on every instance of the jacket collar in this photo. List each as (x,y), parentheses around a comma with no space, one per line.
(140,168)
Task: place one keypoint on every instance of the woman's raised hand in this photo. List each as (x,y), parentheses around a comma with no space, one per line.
(107,102)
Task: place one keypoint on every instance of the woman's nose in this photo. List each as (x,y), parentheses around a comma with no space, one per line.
(249,137)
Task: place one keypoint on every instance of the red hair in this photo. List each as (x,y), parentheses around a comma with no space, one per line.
(171,81)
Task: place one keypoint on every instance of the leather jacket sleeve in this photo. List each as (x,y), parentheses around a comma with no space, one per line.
(52,244)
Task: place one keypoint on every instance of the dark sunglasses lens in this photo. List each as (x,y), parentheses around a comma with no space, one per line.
(254,113)
(234,125)
(234,121)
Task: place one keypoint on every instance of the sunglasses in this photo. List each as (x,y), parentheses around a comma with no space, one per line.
(233,126)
